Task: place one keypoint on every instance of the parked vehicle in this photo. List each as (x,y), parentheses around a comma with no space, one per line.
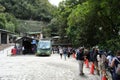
(44,47)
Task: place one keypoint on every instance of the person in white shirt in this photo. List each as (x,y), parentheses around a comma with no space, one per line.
(61,52)
(109,58)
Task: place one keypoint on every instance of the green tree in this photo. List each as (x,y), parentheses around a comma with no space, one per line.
(29,9)
(89,22)
(2,21)
(7,22)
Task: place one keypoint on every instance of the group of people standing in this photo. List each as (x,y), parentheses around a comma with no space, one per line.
(65,51)
(103,60)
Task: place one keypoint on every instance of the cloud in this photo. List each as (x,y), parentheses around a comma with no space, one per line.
(55,2)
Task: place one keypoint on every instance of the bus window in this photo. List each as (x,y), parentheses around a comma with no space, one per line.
(44,44)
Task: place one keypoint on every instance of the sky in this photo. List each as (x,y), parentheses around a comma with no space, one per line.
(54,2)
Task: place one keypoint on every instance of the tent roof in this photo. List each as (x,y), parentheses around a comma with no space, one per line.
(2,30)
(25,38)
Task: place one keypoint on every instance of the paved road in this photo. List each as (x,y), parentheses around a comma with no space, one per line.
(30,67)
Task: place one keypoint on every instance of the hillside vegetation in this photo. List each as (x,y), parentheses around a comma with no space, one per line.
(83,22)
(13,11)
(30,26)
(89,23)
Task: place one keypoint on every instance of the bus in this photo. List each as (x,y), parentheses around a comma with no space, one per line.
(44,47)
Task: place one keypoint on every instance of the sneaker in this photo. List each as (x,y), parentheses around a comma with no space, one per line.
(81,74)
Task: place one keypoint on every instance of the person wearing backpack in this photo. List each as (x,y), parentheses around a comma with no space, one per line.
(110,57)
(116,66)
(65,52)
(80,58)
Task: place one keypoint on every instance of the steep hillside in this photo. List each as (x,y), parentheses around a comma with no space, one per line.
(30,26)
(32,15)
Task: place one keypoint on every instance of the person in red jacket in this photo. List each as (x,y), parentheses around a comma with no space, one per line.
(13,51)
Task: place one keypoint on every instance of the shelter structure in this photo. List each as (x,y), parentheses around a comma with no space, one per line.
(36,35)
(4,36)
(58,41)
(26,45)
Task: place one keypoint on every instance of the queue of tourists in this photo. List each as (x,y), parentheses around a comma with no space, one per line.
(101,60)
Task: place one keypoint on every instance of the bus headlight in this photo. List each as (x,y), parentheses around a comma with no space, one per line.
(38,51)
(48,52)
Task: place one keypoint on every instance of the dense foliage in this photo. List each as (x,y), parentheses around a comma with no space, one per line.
(84,22)
(7,21)
(38,10)
(89,22)
(28,9)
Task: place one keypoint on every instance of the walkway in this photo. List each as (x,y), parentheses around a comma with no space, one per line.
(30,67)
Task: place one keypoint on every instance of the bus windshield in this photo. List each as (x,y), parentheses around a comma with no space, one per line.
(44,44)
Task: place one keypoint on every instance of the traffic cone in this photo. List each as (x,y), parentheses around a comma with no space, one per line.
(74,55)
(104,77)
(87,63)
(92,69)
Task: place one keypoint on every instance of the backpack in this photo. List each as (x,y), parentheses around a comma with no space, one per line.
(118,67)
(80,56)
